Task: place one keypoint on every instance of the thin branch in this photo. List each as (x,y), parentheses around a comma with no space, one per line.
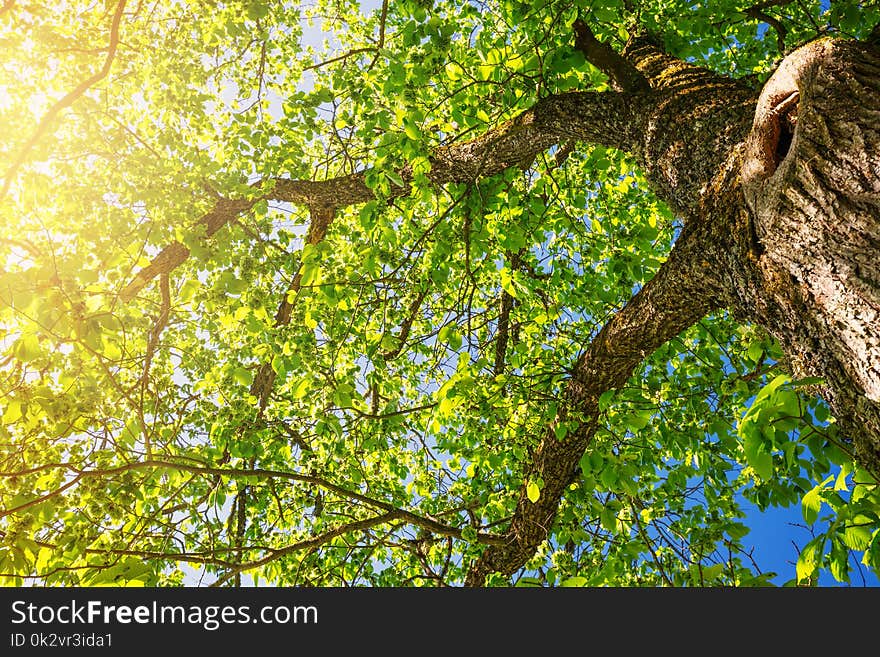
(22,244)
(68,100)
(311,543)
(40,499)
(382,18)
(406,327)
(502,336)
(342,57)
(261,388)
(425,522)
(359,51)
(152,343)
(240,516)
(767,4)
(397,413)
(224,211)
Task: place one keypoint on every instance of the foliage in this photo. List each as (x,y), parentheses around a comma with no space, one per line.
(133,446)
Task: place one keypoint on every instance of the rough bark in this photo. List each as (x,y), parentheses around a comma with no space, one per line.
(694,120)
(811,179)
(785,194)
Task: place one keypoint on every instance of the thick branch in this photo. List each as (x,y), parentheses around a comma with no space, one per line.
(671,302)
(665,71)
(224,211)
(697,118)
(775,23)
(68,100)
(624,76)
(502,336)
(608,119)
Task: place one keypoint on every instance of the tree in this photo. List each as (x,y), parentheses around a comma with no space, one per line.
(472,293)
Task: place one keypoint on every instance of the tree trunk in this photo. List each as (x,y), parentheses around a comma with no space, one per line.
(782,223)
(811,185)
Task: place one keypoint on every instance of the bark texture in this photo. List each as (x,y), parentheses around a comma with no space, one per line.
(692,122)
(781,198)
(811,178)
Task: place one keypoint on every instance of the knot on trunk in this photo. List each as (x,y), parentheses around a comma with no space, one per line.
(774,130)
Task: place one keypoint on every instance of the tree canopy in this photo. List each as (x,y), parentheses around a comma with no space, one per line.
(297,294)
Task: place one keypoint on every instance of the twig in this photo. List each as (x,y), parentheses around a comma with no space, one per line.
(67,100)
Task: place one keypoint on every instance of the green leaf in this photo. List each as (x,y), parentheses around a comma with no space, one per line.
(243,376)
(638,421)
(608,477)
(529,582)
(13,412)
(737,530)
(763,464)
(257,10)
(27,348)
(605,14)
(533,492)
(449,335)
(756,451)
(808,560)
(755,351)
(608,519)
(302,389)
(840,482)
(811,503)
(605,399)
(574,582)
(713,572)
(311,273)
(411,131)
(507,282)
(394,177)
(857,536)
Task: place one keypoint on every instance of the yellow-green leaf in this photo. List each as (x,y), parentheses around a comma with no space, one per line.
(533,492)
